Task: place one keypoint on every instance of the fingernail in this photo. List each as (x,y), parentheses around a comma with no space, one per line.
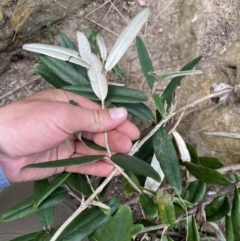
(118,113)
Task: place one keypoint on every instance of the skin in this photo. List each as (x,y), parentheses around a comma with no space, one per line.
(42,128)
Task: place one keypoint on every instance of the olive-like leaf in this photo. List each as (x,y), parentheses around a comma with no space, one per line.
(118,227)
(116,94)
(28,237)
(135,165)
(148,205)
(229,228)
(88,221)
(102,46)
(167,157)
(175,82)
(79,183)
(92,145)
(165,208)
(117,71)
(25,208)
(51,78)
(235,213)
(192,230)
(66,162)
(224,134)
(193,153)
(176,74)
(207,175)
(210,162)
(136,229)
(145,61)
(196,191)
(126,37)
(166,238)
(57,52)
(66,42)
(45,216)
(63,70)
(217,209)
(138,110)
(50,188)
(159,104)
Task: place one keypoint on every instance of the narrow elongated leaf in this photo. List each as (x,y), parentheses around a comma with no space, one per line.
(181,146)
(50,188)
(210,162)
(193,234)
(45,216)
(207,175)
(159,104)
(66,42)
(138,110)
(165,208)
(136,229)
(63,70)
(97,79)
(49,76)
(167,157)
(79,183)
(126,38)
(92,145)
(145,61)
(25,208)
(148,205)
(88,221)
(177,74)
(57,52)
(196,191)
(117,71)
(236,215)
(166,238)
(116,94)
(217,209)
(150,183)
(224,134)
(229,228)
(28,237)
(169,90)
(66,162)
(102,46)
(118,227)
(193,153)
(135,165)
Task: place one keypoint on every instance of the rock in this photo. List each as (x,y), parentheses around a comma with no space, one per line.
(4,64)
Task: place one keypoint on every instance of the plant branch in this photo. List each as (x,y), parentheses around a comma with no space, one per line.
(84,205)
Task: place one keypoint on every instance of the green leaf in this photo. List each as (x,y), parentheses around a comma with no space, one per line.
(46,216)
(66,162)
(178,74)
(165,207)
(145,61)
(118,227)
(63,70)
(193,153)
(193,234)
(234,177)
(135,165)
(138,110)
(167,157)
(148,205)
(159,104)
(136,229)
(217,209)
(88,221)
(197,191)
(79,183)
(93,145)
(166,238)
(50,188)
(147,223)
(117,71)
(210,162)
(27,237)
(146,150)
(229,228)
(175,82)
(207,175)
(51,78)
(116,94)
(25,208)
(236,215)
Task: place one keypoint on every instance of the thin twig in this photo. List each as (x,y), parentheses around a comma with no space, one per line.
(84,205)
(163,10)
(12,91)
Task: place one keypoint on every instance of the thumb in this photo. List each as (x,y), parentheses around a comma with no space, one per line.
(93,120)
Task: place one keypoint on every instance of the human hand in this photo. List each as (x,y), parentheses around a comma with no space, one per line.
(41,128)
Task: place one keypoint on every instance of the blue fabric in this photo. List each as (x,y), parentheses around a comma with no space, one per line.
(3,180)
